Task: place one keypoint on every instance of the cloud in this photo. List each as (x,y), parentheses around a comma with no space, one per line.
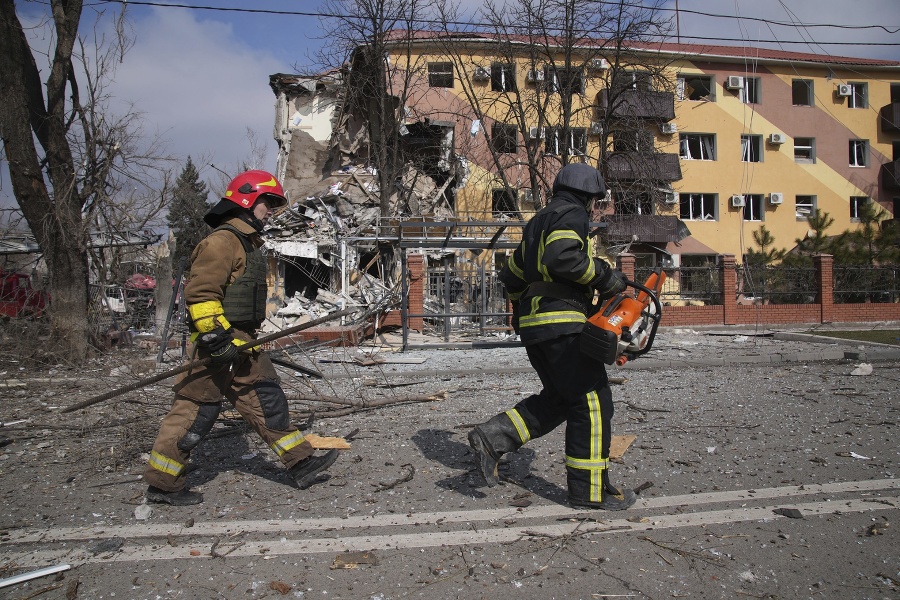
(199,84)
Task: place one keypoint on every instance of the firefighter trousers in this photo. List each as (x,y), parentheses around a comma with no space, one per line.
(575,391)
(251,385)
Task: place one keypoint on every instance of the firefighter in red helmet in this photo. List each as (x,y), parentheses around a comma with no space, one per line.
(226,301)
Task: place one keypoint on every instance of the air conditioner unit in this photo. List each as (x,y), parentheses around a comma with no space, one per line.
(534,75)
(777,138)
(734,82)
(596,128)
(737,201)
(845,89)
(599,64)
(670,198)
(481,74)
(776,198)
(535,133)
(668,128)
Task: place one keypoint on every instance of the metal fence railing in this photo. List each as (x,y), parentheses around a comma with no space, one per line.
(687,285)
(464,300)
(776,284)
(854,284)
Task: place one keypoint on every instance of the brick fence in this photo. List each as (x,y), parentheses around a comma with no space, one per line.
(824,310)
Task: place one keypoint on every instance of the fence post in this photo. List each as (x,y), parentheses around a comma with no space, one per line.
(416,266)
(825,281)
(625,263)
(728,277)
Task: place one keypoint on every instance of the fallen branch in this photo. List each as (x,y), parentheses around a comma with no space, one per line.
(441,395)
(404,479)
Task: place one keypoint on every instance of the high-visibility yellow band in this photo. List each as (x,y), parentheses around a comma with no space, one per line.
(166,465)
(548,318)
(208,315)
(289,441)
(586,463)
(519,422)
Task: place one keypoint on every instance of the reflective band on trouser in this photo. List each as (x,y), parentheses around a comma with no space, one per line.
(164,464)
(291,440)
(548,318)
(520,425)
(596,464)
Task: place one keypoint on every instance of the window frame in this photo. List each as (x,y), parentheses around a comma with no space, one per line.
(751,91)
(859,151)
(503,77)
(552,144)
(684,143)
(855,203)
(682,81)
(692,200)
(559,78)
(753,203)
(437,70)
(860,96)
(811,159)
(811,204)
(754,143)
(635,201)
(511,195)
(809,84)
(504,137)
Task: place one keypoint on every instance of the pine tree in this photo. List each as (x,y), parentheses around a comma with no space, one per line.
(186,210)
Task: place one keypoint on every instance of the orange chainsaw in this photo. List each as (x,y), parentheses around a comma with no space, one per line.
(625,325)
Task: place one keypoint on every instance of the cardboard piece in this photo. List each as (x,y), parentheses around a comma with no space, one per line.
(619,444)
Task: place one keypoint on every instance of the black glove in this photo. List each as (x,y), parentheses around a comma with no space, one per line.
(220,343)
(609,284)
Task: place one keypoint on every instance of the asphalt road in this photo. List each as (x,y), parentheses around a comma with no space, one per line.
(729,429)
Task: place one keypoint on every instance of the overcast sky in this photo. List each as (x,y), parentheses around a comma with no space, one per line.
(201,77)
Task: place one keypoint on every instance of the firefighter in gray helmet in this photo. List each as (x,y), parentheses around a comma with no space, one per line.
(226,300)
(551,280)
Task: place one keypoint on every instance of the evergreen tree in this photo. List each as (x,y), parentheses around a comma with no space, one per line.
(817,243)
(186,210)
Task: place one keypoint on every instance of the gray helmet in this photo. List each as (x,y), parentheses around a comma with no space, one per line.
(580,178)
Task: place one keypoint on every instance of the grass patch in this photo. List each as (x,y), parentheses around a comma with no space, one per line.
(882,336)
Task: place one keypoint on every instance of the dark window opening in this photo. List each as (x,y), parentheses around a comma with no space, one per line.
(697,87)
(564,81)
(440,74)
(305,276)
(503,77)
(802,92)
(504,138)
(504,201)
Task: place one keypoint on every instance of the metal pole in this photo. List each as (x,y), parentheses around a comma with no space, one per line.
(446,302)
(404,299)
(481,299)
(164,335)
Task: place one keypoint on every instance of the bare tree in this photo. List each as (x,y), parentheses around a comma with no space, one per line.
(85,158)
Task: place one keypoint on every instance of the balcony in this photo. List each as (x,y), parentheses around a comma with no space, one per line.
(890,118)
(890,176)
(643,166)
(638,104)
(648,228)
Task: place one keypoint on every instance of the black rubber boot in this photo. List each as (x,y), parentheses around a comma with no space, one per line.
(305,472)
(611,497)
(183,497)
(490,441)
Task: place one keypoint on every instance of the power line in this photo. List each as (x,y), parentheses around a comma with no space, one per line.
(476,24)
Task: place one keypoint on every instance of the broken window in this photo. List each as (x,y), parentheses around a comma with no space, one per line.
(696,87)
(697,146)
(632,140)
(856,204)
(503,77)
(564,81)
(753,207)
(440,74)
(859,153)
(751,148)
(564,140)
(633,80)
(750,93)
(503,200)
(802,92)
(860,96)
(698,207)
(805,150)
(805,207)
(633,203)
(504,138)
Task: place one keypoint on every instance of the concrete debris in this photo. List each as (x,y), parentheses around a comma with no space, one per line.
(862,369)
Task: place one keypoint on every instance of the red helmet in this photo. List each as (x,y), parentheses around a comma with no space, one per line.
(245,189)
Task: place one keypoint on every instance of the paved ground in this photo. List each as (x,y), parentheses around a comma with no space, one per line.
(731,428)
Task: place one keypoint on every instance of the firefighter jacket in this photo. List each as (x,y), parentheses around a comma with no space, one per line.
(549,276)
(228,267)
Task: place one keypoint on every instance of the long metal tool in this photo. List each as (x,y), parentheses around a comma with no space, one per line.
(205,361)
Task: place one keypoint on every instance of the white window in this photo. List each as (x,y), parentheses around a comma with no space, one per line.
(560,140)
(805,207)
(698,207)
(750,93)
(856,203)
(697,146)
(859,153)
(751,148)
(753,207)
(805,150)
(695,87)
(503,77)
(860,96)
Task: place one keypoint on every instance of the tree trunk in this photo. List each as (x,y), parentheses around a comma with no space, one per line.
(163,291)
(55,219)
